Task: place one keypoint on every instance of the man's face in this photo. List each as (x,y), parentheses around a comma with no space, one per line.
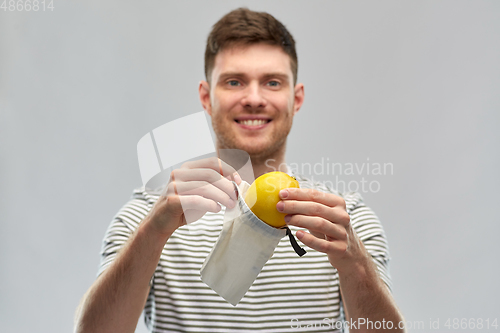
(251,99)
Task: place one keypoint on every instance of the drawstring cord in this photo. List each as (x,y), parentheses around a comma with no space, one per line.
(300,251)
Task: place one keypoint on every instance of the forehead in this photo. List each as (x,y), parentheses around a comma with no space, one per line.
(253,59)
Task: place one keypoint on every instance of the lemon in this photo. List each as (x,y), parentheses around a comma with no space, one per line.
(263,195)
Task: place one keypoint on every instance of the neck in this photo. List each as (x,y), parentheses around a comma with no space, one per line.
(274,162)
(261,164)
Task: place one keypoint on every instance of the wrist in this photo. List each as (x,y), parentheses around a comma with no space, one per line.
(359,269)
(150,230)
(359,263)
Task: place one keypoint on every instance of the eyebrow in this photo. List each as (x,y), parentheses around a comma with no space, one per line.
(279,75)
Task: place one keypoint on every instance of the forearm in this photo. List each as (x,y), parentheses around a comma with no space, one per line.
(115,301)
(368,303)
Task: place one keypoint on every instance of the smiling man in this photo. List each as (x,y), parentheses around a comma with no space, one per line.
(253,98)
(151,259)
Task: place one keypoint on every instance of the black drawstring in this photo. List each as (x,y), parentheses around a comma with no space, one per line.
(300,251)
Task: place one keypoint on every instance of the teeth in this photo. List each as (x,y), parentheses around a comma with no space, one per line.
(255,122)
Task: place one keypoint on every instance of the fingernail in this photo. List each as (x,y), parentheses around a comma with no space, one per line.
(288,218)
(299,234)
(283,194)
(280,206)
(237,178)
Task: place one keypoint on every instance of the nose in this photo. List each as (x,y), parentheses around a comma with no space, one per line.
(253,98)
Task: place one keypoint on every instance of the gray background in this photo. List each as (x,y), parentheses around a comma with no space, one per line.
(412,83)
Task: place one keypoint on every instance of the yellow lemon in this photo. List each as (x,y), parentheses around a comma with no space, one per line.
(263,195)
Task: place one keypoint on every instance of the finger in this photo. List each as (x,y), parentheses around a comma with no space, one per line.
(198,203)
(322,245)
(318,225)
(307,194)
(215,164)
(172,181)
(205,175)
(203,189)
(310,208)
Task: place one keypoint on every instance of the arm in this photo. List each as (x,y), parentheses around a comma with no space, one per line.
(365,296)
(367,300)
(115,301)
(365,285)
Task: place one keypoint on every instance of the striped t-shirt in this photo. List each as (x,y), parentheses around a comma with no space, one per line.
(291,293)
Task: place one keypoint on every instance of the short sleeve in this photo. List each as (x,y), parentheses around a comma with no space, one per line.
(121,228)
(371,233)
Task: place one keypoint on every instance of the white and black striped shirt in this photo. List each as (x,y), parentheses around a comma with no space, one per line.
(290,290)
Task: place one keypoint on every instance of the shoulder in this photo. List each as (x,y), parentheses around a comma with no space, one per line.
(146,195)
(136,208)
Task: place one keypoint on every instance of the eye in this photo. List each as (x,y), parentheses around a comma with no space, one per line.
(273,83)
(233,83)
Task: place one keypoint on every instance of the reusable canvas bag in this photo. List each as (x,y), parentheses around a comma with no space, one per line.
(244,246)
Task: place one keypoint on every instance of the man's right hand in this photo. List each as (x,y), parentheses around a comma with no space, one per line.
(194,189)
(115,301)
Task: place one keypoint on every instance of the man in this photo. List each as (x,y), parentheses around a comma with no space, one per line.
(152,259)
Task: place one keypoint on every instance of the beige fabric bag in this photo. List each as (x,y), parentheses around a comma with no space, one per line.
(244,246)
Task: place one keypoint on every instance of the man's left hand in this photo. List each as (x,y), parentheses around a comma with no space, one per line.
(325,216)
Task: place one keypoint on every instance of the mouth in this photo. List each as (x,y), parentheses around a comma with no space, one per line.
(252,124)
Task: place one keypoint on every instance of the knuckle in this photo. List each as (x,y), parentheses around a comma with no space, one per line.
(322,223)
(202,189)
(324,247)
(207,175)
(343,234)
(345,218)
(214,163)
(315,196)
(212,204)
(342,203)
(171,188)
(172,201)
(343,247)
(316,210)
(186,165)
(218,181)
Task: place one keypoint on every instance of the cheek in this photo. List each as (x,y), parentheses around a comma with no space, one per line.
(224,102)
(214,102)
(287,107)
(291,101)
(290,104)
(284,103)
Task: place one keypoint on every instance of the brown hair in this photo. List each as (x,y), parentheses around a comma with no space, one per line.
(246,27)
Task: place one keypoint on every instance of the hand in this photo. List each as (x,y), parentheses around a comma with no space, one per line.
(194,189)
(325,216)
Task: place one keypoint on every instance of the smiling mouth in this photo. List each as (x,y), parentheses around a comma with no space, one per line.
(253,122)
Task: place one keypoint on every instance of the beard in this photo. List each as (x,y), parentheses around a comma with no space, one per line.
(258,147)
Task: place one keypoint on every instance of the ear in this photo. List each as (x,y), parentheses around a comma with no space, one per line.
(298,97)
(204,92)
